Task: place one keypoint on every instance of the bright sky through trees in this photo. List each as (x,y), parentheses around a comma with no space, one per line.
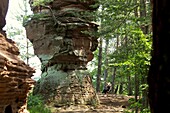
(13,23)
(16,9)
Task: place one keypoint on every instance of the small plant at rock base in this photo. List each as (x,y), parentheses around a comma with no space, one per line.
(34,100)
(35,104)
(39,108)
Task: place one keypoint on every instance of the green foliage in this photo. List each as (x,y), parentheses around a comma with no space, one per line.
(138,104)
(129,45)
(143,87)
(38,108)
(38,16)
(41,2)
(35,104)
(146,110)
(34,100)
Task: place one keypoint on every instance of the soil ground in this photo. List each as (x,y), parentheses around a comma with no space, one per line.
(108,104)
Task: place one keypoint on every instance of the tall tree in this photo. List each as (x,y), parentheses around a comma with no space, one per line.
(159,76)
(98,82)
(106,61)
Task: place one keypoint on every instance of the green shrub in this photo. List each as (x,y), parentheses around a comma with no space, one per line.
(39,109)
(34,100)
(35,104)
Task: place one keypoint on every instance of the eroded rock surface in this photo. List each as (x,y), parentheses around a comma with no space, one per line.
(15,78)
(60,31)
(15,75)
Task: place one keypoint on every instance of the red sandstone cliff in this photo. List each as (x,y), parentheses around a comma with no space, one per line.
(15,75)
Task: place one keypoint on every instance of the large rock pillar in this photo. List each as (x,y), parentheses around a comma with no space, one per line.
(60,32)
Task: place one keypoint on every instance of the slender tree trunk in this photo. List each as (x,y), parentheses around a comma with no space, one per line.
(114,71)
(129,86)
(136,8)
(144,94)
(117,87)
(113,79)
(159,73)
(136,77)
(121,88)
(136,91)
(106,62)
(99,66)
(145,31)
(143,15)
(129,77)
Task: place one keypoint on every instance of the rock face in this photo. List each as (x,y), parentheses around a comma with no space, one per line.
(3,12)
(15,78)
(15,75)
(60,31)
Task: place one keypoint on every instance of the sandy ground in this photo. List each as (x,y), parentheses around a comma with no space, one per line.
(108,104)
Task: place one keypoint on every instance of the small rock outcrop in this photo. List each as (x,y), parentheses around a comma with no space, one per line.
(61,33)
(15,75)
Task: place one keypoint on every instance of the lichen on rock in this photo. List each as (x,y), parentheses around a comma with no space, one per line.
(61,36)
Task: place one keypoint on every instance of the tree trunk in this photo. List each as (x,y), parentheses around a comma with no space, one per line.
(113,79)
(143,15)
(3,12)
(136,8)
(144,94)
(129,86)
(136,91)
(106,63)
(159,73)
(117,87)
(99,66)
(121,88)
(145,31)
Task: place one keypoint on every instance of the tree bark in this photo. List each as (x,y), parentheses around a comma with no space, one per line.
(106,63)
(3,12)
(159,76)
(99,67)
(113,79)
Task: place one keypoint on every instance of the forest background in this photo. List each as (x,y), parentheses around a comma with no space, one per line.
(123,54)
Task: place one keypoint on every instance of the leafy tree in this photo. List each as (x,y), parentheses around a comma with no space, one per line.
(126,24)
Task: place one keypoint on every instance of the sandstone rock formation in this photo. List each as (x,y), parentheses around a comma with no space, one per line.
(60,31)
(15,75)
(15,78)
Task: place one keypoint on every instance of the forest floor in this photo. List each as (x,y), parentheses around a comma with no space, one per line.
(108,104)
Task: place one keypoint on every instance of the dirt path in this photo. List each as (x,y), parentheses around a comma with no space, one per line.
(108,104)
